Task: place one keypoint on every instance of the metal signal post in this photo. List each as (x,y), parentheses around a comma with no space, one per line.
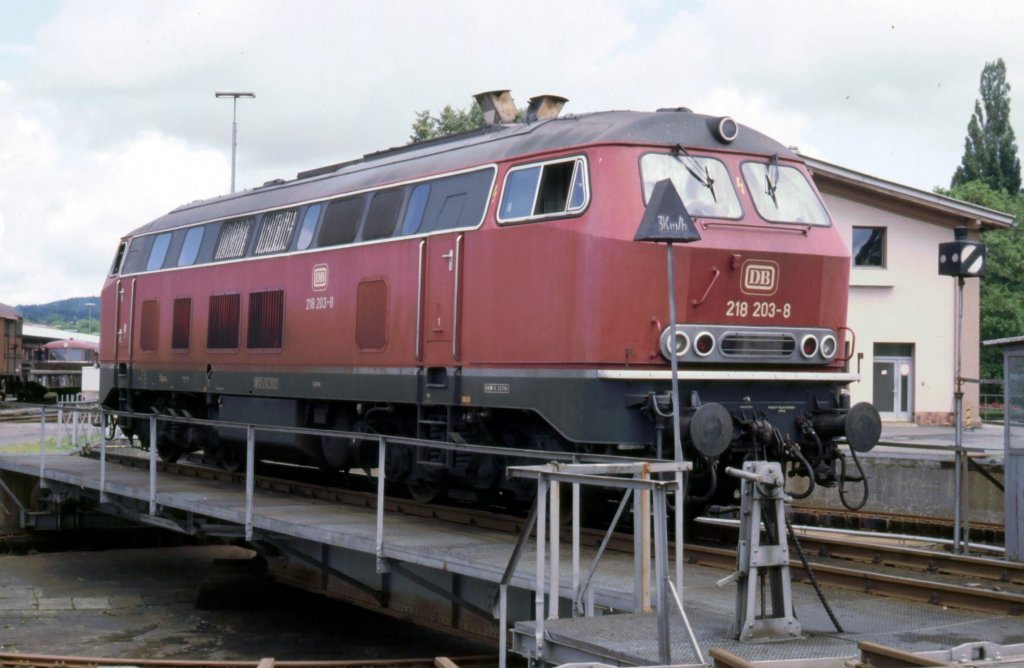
(961,259)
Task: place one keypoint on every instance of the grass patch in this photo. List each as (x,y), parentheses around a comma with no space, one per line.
(30,447)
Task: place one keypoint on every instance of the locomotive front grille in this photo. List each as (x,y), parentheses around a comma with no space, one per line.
(754,344)
(721,344)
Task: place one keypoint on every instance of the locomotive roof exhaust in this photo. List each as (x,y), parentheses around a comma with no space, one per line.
(498,106)
(543,107)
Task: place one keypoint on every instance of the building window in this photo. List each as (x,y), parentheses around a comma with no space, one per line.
(868,247)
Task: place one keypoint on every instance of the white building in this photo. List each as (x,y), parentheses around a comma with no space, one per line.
(902,312)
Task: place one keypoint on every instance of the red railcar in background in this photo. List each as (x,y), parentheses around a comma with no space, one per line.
(487,287)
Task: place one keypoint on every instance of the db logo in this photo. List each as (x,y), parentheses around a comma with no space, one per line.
(760,277)
(320,277)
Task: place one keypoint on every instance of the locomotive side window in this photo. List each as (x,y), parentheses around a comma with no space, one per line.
(149,327)
(181,323)
(234,238)
(382,216)
(190,247)
(136,255)
(702,183)
(276,231)
(341,222)
(222,331)
(309,221)
(266,320)
(540,191)
(415,208)
(782,194)
(457,201)
(158,253)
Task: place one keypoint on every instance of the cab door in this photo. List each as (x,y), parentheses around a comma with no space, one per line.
(124,318)
(441,272)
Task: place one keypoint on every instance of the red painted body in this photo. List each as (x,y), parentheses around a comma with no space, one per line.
(512,318)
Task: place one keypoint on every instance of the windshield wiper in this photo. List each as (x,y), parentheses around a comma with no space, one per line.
(702,175)
(771,178)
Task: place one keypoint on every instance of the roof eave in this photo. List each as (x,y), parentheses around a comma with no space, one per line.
(982,217)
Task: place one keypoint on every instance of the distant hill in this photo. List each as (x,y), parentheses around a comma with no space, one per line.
(71,314)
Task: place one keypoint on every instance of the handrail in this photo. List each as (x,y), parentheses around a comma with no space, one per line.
(641,484)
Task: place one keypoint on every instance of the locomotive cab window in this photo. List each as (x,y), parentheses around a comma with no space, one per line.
(703,183)
(783,194)
(544,190)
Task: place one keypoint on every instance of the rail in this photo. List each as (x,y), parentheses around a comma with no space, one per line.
(63,661)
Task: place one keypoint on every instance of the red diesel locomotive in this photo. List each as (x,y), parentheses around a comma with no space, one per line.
(486,287)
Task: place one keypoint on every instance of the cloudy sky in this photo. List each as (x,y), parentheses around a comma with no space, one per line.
(108,117)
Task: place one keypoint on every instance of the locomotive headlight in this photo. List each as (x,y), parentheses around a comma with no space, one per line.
(681,341)
(704,344)
(828,346)
(809,346)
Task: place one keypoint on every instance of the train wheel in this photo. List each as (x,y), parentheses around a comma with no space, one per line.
(230,459)
(109,427)
(423,491)
(168,453)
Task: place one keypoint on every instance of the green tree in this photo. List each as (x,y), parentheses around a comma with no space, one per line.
(1002,309)
(990,149)
(449,122)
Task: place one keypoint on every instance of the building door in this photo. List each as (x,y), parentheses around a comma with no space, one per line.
(894,387)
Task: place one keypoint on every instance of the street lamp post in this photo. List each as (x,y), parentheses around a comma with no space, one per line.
(234,95)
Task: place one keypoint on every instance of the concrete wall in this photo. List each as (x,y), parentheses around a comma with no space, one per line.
(908,302)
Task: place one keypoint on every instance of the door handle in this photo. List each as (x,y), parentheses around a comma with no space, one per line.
(450,256)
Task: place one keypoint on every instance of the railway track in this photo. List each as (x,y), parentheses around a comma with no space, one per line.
(969,582)
(54,661)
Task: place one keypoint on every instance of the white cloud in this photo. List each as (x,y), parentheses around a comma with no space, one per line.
(109,118)
(57,240)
